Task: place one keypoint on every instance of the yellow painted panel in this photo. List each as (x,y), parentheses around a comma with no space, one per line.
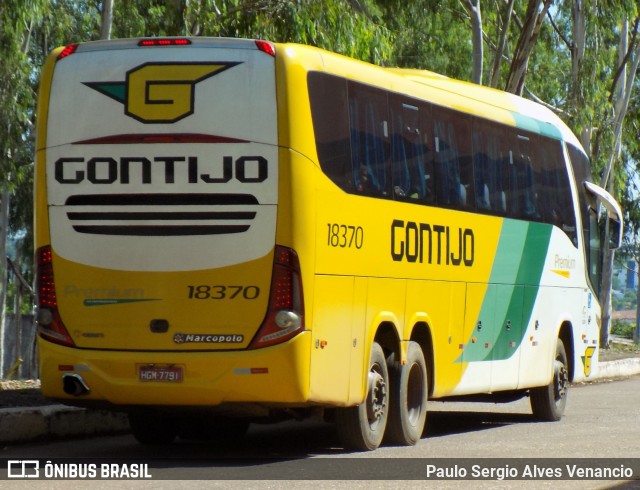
(332,344)
(108,309)
(441,305)
(277,374)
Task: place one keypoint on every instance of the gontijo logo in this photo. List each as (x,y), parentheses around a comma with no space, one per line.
(160,92)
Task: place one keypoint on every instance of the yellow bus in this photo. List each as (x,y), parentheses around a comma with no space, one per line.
(232,230)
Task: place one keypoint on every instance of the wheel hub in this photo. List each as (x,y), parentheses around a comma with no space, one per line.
(377,397)
(561,380)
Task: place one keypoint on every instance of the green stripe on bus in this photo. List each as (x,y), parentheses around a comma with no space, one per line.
(528,279)
(511,294)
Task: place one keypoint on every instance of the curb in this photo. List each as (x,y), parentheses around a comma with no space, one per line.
(57,421)
(618,369)
(21,425)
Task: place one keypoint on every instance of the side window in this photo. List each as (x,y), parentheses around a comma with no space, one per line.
(380,144)
(369,140)
(490,167)
(522,179)
(592,225)
(555,189)
(582,174)
(452,159)
(411,156)
(330,115)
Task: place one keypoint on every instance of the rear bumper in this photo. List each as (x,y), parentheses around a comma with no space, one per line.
(277,375)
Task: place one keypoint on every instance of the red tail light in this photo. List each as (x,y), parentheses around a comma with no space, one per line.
(285,316)
(50,325)
(67,51)
(266,47)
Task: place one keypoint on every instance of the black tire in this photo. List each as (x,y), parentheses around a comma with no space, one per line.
(548,402)
(153,428)
(409,389)
(362,428)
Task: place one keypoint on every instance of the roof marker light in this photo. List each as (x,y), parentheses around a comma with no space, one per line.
(161,41)
(266,47)
(67,51)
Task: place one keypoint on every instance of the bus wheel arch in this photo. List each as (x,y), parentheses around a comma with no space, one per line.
(387,337)
(566,335)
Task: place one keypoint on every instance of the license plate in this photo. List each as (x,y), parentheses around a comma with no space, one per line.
(161,374)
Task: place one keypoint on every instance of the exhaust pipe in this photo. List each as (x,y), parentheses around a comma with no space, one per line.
(73,384)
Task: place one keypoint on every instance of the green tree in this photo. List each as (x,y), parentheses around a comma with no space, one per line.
(352,28)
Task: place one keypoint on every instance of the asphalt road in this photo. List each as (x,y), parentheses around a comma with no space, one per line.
(602,421)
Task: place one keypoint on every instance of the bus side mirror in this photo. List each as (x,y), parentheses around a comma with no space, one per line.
(615,237)
(613,213)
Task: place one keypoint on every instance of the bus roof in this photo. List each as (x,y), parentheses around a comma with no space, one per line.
(527,109)
(485,102)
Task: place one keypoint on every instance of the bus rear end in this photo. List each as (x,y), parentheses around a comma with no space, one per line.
(159,279)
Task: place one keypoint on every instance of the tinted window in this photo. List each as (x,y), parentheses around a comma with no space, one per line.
(382,144)
(329,111)
(368,122)
(554,188)
(411,155)
(590,226)
(491,167)
(452,158)
(522,178)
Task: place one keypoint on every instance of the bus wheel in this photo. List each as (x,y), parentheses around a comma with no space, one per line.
(362,427)
(548,402)
(408,401)
(153,428)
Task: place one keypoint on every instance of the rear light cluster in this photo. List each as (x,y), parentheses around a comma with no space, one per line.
(50,325)
(285,315)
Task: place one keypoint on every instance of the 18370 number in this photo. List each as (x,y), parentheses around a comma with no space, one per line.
(344,236)
(223,292)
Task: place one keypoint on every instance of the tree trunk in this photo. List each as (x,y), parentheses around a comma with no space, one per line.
(526,42)
(579,29)
(473,7)
(605,292)
(623,90)
(106,19)
(636,331)
(578,47)
(4,226)
(497,60)
(17,316)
